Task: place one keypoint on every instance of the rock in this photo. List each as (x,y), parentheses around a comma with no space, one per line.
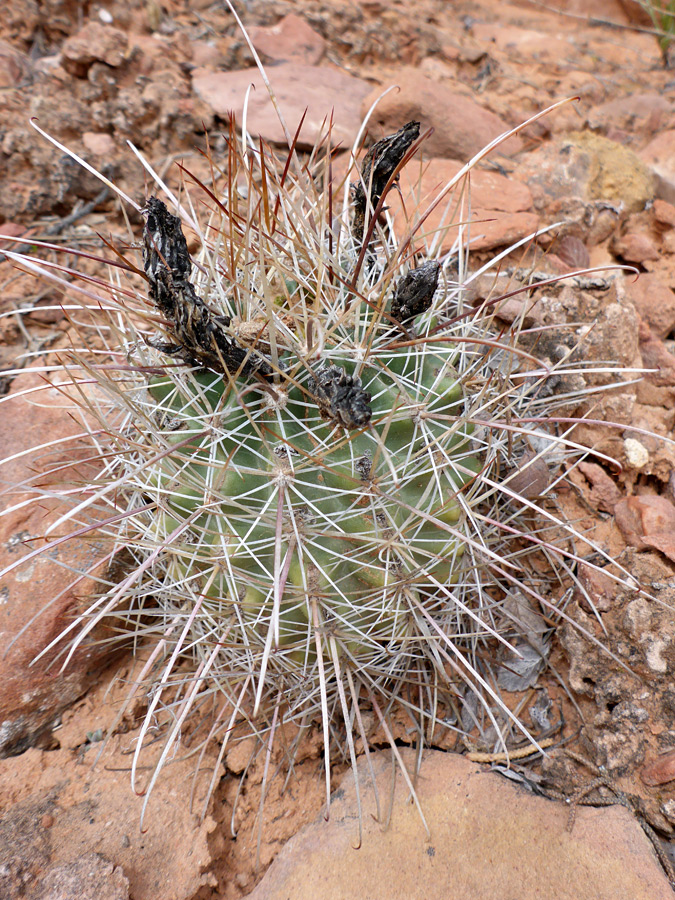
(638,14)
(290,40)
(461,126)
(501,208)
(604,492)
(523,306)
(655,356)
(628,672)
(9,230)
(590,167)
(488,838)
(210,53)
(522,41)
(590,222)
(21,20)
(660,770)
(318,89)
(95,42)
(643,114)
(647,521)
(664,213)
(99,143)
(39,598)
(239,755)
(654,301)
(15,66)
(664,542)
(659,155)
(58,808)
(89,877)
(596,588)
(635,247)
(652,428)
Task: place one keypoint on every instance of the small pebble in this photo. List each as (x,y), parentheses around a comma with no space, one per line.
(660,770)
(636,453)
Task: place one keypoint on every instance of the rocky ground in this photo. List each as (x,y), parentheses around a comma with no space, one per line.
(165,75)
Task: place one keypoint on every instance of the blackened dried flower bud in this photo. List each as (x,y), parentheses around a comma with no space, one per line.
(340,397)
(200,336)
(415,291)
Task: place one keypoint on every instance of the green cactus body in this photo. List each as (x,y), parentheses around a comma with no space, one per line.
(293,558)
(290,508)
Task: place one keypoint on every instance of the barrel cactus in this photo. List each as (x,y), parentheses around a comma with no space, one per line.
(303,432)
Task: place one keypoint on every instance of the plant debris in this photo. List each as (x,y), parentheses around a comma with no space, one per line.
(340,396)
(201,337)
(379,164)
(415,291)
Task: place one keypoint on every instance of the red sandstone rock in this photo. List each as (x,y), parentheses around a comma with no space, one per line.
(654,301)
(660,770)
(487,838)
(94,42)
(664,213)
(598,588)
(15,66)
(9,230)
(99,143)
(522,41)
(638,14)
(636,247)
(321,90)
(290,40)
(647,521)
(655,356)
(659,155)
(643,113)
(501,208)
(40,597)
(605,493)
(461,126)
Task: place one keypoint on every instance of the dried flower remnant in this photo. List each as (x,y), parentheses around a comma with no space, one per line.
(341,397)
(379,164)
(415,291)
(200,336)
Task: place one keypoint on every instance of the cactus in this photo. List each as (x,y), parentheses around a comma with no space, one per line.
(307,433)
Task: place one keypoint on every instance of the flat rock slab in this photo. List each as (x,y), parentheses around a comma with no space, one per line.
(321,90)
(290,40)
(489,840)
